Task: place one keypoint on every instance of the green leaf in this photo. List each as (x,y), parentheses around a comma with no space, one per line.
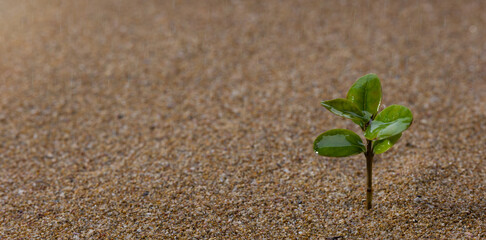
(345,108)
(383,145)
(389,122)
(338,143)
(366,94)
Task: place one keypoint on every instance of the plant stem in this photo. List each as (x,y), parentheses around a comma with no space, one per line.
(369,163)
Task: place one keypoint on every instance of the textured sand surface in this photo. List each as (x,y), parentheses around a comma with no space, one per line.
(178,119)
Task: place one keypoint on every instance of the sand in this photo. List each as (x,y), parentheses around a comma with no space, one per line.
(195,119)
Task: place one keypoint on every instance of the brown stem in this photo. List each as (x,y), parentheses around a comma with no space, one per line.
(369,163)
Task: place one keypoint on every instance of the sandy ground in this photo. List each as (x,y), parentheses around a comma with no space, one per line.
(179,119)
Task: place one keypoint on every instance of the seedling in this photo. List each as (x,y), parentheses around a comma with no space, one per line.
(381,130)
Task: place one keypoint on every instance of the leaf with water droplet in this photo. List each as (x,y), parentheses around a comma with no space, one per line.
(366,94)
(338,143)
(345,108)
(389,122)
(383,145)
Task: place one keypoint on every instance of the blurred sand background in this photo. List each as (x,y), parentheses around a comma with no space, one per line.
(179,119)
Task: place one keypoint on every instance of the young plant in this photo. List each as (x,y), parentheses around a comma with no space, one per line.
(381,130)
